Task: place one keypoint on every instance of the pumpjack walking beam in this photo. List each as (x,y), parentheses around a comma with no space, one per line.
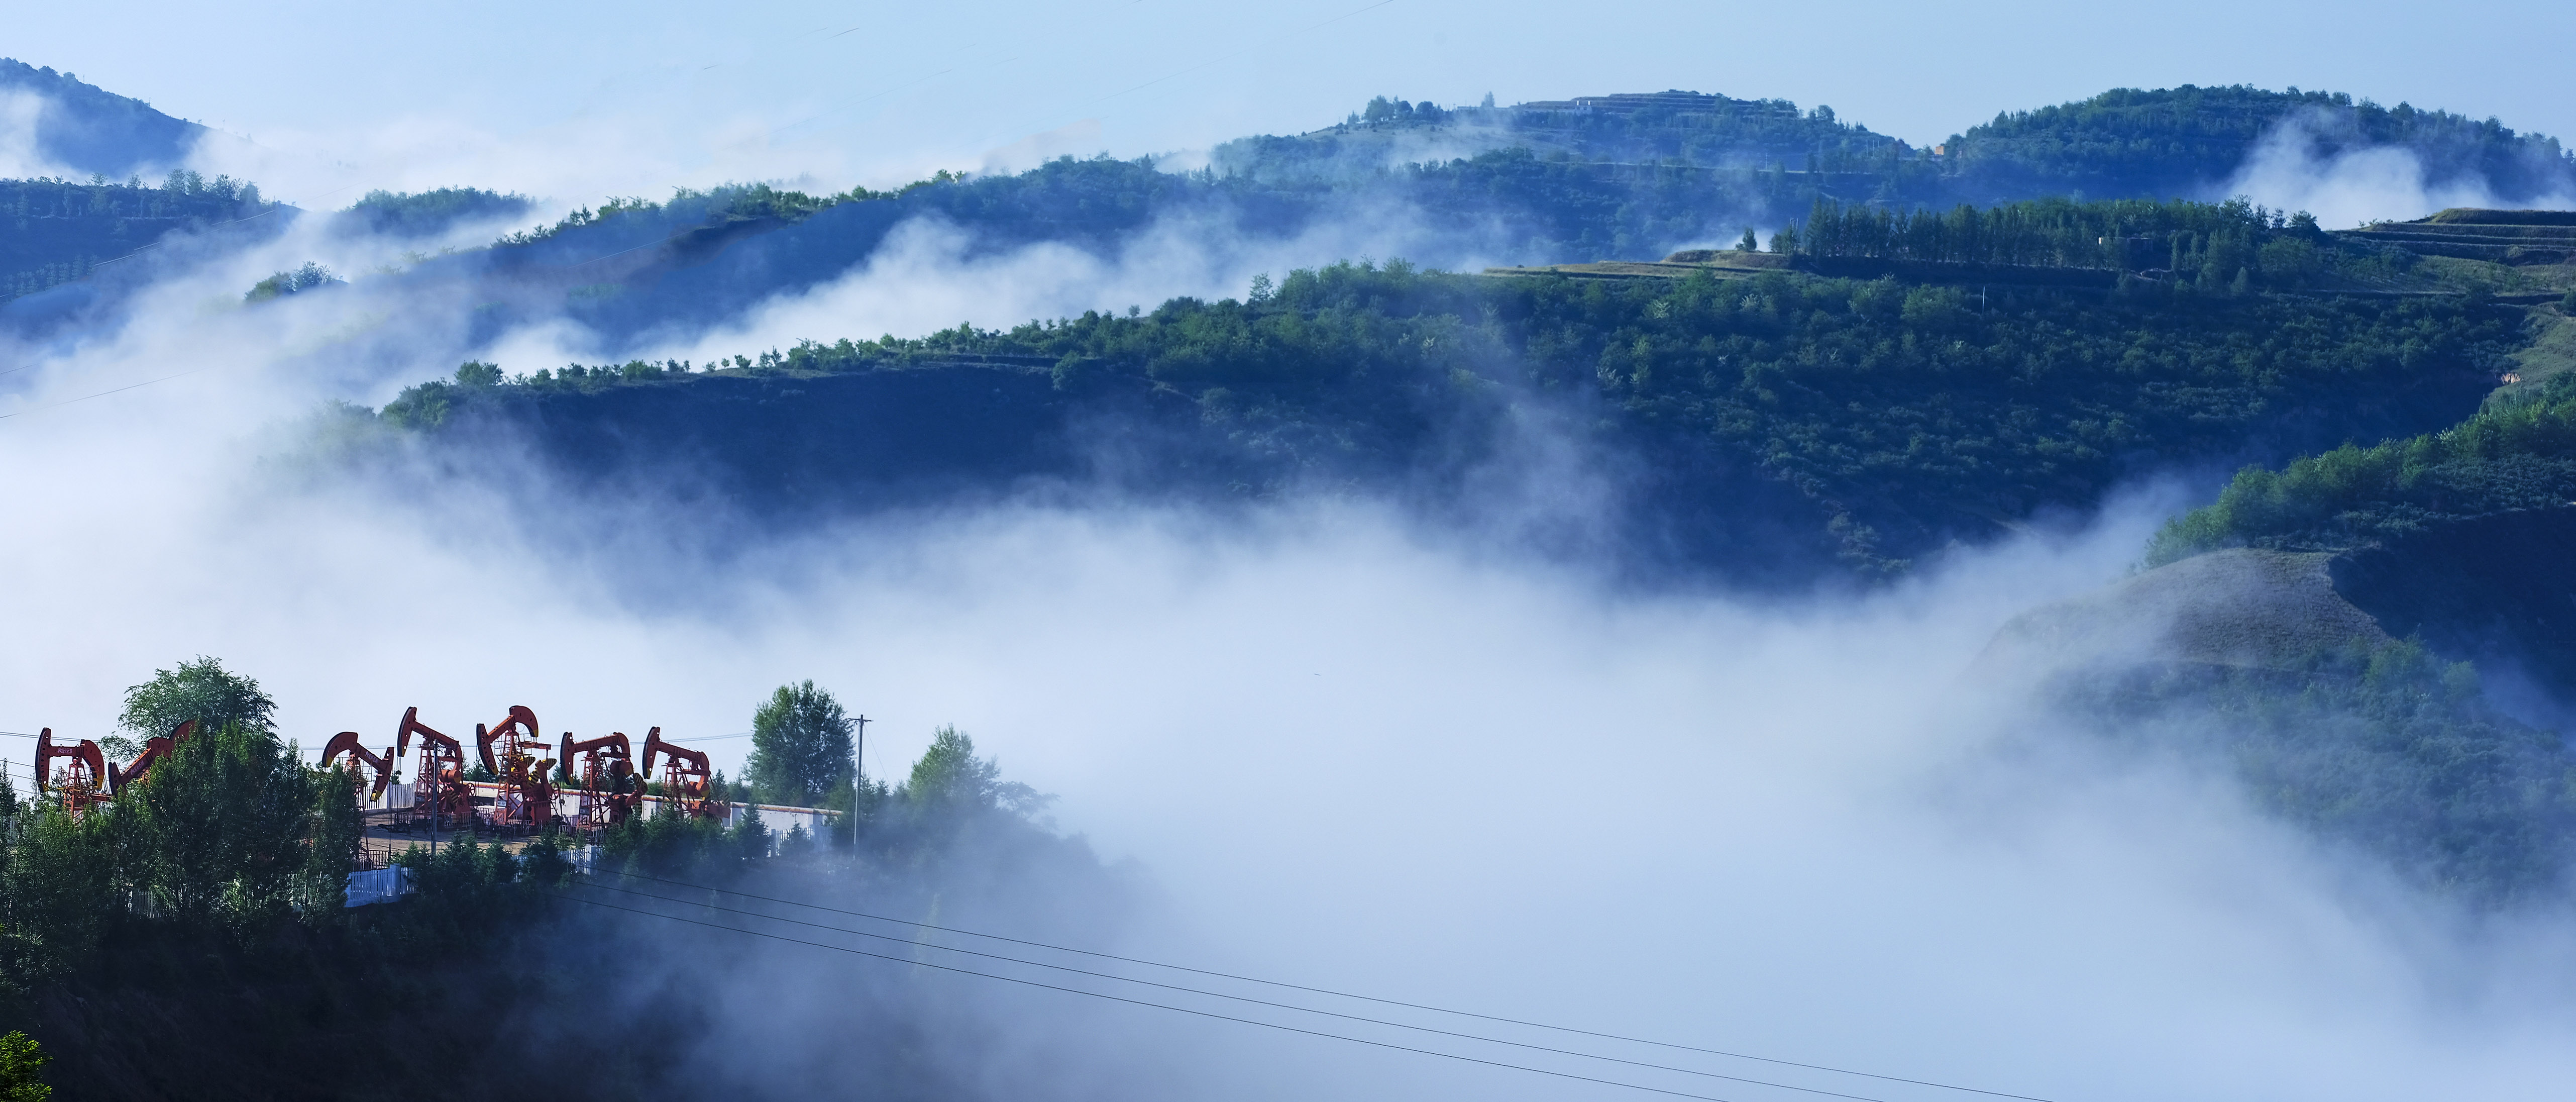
(154,749)
(348,742)
(84,775)
(684,777)
(441,779)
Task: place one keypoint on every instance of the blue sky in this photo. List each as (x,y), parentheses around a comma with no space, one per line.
(584,98)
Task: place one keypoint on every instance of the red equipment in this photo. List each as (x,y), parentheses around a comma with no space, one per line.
(684,776)
(154,749)
(441,784)
(347,741)
(81,777)
(527,793)
(610,787)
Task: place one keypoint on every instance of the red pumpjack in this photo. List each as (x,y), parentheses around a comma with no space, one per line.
(441,787)
(684,777)
(83,779)
(154,749)
(610,787)
(527,799)
(348,742)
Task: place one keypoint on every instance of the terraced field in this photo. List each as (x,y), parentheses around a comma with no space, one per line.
(2518,237)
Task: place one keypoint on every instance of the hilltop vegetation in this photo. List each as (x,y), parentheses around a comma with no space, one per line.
(2188,140)
(428,213)
(59,230)
(1640,175)
(2519,455)
(1629,176)
(1874,420)
(2211,248)
(1604,177)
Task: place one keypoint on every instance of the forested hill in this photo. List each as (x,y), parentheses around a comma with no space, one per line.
(1587,179)
(1783,426)
(1685,163)
(2190,141)
(88,130)
(59,231)
(1610,177)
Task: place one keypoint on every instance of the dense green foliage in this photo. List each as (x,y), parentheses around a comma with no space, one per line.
(56,231)
(2209,247)
(1906,414)
(2519,454)
(212,892)
(2385,748)
(950,797)
(199,689)
(217,841)
(306,278)
(688,208)
(428,213)
(800,746)
(22,1066)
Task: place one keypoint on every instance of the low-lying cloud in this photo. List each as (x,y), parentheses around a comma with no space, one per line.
(21,115)
(1344,748)
(2298,166)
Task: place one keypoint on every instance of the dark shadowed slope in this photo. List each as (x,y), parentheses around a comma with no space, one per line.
(87,129)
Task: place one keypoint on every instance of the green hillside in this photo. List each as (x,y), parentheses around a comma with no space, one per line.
(1872,421)
(57,231)
(2519,454)
(2183,141)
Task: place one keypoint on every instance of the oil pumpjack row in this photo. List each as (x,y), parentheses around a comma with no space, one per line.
(606,789)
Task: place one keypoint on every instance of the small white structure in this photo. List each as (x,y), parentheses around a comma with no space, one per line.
(369,886)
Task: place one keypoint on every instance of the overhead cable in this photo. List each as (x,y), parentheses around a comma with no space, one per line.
(1346,994)
(1155,1005)
(1254,1001)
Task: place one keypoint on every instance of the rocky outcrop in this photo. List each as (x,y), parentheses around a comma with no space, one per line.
(2499,590)
(2239,607)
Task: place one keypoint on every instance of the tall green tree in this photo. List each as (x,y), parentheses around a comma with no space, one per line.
(22,1065)
(338,827)
(201,690)
(221,828)
(949,780)
(800,746)
(60,889)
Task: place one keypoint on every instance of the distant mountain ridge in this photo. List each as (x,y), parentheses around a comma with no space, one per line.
(1765,159)
(90,130)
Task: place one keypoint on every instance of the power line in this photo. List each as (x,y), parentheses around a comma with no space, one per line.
(105,393)
(1256,1002)
(1155,1005)
(1344,994)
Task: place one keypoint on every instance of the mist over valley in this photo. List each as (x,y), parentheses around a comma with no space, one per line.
(1638,593)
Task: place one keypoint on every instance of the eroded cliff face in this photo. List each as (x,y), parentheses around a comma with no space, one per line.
(2497,590)
(2239,607)
(2348,692)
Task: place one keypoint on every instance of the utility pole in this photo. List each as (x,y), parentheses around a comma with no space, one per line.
(429,772)
(859,783)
